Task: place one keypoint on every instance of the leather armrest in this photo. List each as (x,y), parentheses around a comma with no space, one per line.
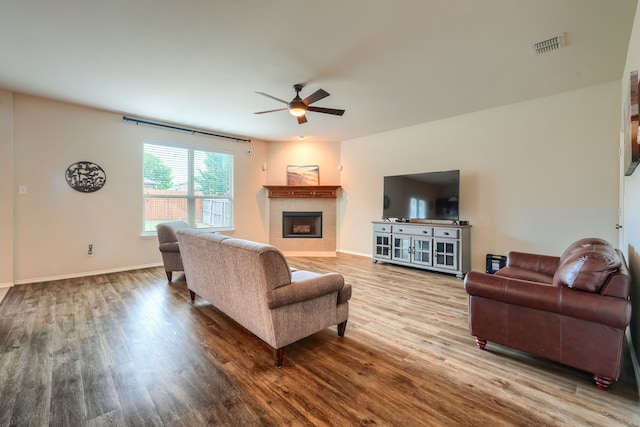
(308,287)
(611,311)
(539,263)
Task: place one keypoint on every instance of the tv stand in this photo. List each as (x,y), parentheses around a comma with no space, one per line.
(437,247)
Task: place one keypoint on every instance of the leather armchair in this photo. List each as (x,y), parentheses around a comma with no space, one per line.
(573,309)
(168,245)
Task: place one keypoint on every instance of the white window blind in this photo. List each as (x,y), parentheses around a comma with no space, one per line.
(187,184)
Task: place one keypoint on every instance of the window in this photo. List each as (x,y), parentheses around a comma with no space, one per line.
(417,208)
(187,184)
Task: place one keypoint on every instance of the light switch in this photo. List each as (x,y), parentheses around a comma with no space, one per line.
(22,189)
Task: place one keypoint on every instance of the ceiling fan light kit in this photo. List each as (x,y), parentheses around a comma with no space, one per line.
(298,107)
(297,110)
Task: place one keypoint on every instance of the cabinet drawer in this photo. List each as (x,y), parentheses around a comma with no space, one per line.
(413,230)
(452,233)
(382,228)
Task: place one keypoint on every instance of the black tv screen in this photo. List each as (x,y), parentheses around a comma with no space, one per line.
(429,195)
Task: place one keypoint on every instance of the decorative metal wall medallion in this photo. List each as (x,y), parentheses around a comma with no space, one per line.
(85,177)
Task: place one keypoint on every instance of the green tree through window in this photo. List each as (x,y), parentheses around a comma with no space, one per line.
(187,184)
(213,179)
(156,172)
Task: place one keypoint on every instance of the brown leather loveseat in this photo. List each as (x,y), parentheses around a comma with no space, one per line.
(572,309)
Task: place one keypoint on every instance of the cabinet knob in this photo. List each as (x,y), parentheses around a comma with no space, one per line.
(400,229)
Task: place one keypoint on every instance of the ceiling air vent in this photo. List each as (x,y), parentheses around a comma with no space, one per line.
(548,45)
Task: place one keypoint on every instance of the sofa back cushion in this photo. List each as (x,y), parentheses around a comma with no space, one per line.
(587,269)
(583,244)
(257,262)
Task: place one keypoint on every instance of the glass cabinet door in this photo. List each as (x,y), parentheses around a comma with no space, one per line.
(446,253)
(422,251)
(401,248)
(382,245)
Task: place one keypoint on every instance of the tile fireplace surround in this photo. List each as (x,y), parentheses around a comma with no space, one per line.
(298,198)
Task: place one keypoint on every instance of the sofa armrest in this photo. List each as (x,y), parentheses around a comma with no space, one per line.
(169,247)
(611,311)
(544,264)
(305,287)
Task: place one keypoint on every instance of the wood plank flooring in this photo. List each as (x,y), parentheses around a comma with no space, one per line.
(130,349)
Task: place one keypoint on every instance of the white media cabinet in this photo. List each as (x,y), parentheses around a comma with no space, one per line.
(438,247)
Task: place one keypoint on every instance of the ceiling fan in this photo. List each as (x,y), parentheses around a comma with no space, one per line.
(298,106)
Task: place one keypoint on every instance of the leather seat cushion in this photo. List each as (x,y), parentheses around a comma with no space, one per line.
(524,274)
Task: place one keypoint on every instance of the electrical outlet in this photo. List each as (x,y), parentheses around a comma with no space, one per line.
(90,251)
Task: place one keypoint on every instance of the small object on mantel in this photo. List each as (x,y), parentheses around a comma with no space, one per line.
(302,191)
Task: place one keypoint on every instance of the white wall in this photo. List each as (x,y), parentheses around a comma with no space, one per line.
(54,224)
(631,226)
(535,176)
(324,154)
(6,188)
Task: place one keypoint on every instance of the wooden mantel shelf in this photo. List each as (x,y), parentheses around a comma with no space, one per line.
(302,191)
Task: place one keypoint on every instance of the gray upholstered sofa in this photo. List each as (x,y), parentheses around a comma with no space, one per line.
(252,283)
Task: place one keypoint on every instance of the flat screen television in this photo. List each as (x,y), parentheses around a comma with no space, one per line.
(422,196)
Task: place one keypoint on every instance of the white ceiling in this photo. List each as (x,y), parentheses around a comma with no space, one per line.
(390,64)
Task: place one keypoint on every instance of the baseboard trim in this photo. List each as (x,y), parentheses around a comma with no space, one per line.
(322,254)
(6,285)
(634,359)
(356,253)
(85,274)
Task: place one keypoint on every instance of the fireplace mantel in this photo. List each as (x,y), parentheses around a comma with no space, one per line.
(302,191)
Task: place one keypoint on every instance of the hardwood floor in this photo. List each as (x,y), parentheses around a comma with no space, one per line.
(129,349)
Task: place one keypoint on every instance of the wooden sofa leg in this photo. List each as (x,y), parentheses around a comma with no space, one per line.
(341,328)
(603,383)
(192,295)
(278,356)
(169,275)
(481,343)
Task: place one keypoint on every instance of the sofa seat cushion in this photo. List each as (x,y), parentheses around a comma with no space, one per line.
(587,269)
(524,274)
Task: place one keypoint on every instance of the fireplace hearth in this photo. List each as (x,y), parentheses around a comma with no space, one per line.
(296,225)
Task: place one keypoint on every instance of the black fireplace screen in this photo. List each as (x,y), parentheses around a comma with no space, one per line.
(302,225)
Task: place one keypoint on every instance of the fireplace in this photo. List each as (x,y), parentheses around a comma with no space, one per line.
(301,225)
(321,238)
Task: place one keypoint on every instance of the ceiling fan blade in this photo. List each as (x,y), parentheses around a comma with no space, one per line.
(302,119)
(333,111)
(271,111)
(272,97)
(315,96)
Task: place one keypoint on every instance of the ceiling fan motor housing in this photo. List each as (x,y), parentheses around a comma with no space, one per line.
(298,107)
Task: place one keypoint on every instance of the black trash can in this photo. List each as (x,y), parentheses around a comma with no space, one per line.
(495,263)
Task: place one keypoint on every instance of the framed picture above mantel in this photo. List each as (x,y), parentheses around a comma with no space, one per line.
(303,175)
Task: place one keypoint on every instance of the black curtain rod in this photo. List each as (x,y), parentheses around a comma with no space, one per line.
(193,131)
